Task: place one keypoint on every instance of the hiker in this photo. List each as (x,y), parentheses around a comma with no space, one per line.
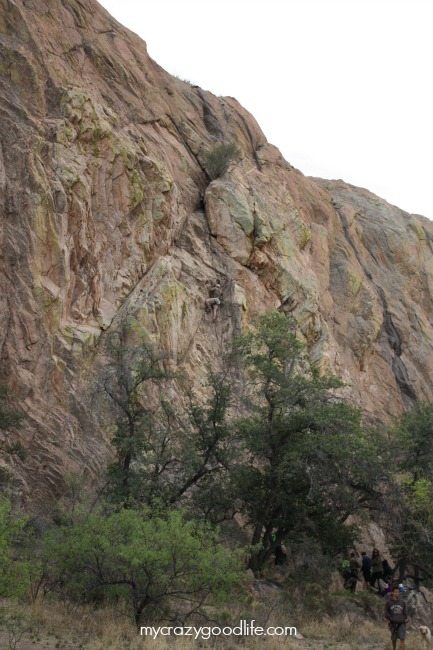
(280,554)
(366,567)
(215,298)
(347,575)
(349,571)
(387,571)
(396,615)
(376,568)
(354,571)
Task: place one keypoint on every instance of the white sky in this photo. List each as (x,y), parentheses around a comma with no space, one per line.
(344,88)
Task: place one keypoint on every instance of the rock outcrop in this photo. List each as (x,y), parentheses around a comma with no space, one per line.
(106,209)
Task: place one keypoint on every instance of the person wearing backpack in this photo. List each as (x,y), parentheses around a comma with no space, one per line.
(387,571)
(366,567)
(396,615)
(349,571)
(376,568)
(354,571)
(280,554)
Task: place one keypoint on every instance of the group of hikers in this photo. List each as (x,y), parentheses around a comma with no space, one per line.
(376,571)
(378,575)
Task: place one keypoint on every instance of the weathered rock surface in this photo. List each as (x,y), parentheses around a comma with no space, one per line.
(106,209)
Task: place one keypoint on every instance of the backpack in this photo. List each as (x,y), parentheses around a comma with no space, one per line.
(345,570)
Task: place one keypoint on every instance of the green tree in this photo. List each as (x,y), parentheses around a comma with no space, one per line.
(409,496)
(207,452)
(413,440)
(307,463)
(409,525)
(161,565)
(132,381)
(167,450)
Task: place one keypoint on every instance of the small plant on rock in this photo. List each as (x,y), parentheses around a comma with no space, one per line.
(219,157)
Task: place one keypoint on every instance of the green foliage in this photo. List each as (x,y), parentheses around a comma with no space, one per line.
(165,452)
(411,523)
(419,502)
(132,381)
(219,157)
(14,571)
(298,427)
(410,499)
(414,441)
(284,450)
(156,563)
(208,451)
(268,464)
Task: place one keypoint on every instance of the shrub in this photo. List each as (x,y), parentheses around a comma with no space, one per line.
(156,564)
(14,625)
(218,159)
(14,571)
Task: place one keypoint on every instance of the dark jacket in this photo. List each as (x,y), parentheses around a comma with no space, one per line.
(395,610)
(387,570)
(376,564)
(366,563)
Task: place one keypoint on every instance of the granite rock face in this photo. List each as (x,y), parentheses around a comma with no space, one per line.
(106,209)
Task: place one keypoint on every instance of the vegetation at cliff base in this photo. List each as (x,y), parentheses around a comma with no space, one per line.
(198,490)
(160,564)
(297,425)
(14,570)
(411,502)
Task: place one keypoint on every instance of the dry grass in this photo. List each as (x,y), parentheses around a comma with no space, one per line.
(66,627)
(353,631)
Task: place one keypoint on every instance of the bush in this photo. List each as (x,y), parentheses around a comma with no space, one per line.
(218,159)
(14,571)
(156,564)
(14,625)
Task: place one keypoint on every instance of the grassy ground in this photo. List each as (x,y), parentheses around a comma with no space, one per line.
(64,627)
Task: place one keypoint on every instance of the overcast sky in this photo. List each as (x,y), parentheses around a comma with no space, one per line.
(344,88)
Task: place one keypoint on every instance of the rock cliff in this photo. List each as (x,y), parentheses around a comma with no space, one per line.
(106,209)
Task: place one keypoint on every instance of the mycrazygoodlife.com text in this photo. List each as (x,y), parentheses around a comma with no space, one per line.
(244,628)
